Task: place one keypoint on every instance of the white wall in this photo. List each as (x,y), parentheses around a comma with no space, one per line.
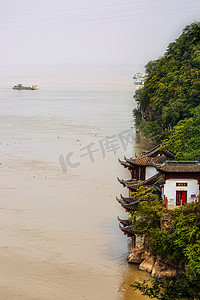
(170,189)
(150,171)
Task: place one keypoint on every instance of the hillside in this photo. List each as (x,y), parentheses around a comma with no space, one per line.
(169,103)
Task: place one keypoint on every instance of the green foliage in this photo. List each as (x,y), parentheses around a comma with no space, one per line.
(169,107)
(137,116)
(151,65)
(169,289)
(178,244)
(143,192)
(141,97)
(184,138)
(182,240)
(172,88)
(151,129)
(150,210)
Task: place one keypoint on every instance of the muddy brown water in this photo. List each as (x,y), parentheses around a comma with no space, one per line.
(59,230)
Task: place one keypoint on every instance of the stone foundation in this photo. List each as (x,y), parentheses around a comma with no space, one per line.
(136,255)
(148,263)
(162,270)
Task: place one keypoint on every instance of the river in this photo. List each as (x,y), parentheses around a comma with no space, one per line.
(58,214)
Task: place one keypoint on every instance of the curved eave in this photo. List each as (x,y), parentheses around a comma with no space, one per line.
(132,201)
(126,199)
(130,161)
(128,230)
(124,163)
(125,222)
(126,183)
(170,154)
(120,201)
(121,181)
(130,206)
(134,186)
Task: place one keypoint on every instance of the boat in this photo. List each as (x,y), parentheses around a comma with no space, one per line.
(138,82)
(140,78)
(137,75)
(21,87)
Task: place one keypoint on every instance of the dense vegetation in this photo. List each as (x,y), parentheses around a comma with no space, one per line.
(169,103)
(168,110)
(179,244)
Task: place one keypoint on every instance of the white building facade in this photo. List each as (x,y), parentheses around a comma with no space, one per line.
(177,190)
(150,171)
(181,182)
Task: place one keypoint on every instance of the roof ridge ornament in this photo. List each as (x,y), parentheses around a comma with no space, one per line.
(119,160)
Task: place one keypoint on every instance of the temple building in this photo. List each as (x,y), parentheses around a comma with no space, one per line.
(181,182)
(142,169)
(175,182)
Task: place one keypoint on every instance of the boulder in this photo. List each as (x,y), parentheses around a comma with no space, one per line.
(148,262)
(162,270)
(136,255)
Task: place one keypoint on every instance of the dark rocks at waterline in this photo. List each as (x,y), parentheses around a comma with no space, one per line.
(154,265)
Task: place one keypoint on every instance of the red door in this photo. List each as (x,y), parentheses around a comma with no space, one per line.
(181,197)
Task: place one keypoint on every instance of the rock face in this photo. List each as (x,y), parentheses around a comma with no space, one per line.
(162,270)
(158,269)
(136,255)
(148,262)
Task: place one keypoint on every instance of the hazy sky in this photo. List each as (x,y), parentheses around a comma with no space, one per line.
(57,32)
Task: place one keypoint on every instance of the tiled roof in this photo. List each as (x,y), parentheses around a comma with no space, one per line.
(129,230)
(125,222)
(152,150)
(124,163)
(157,148)
(129,206)
(127,199)
(147,161)
(147,157)
(179,167)
(134,184)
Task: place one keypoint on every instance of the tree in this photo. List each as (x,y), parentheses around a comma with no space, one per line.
(149,212)
(184,138)
(172,88)
(179,244)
